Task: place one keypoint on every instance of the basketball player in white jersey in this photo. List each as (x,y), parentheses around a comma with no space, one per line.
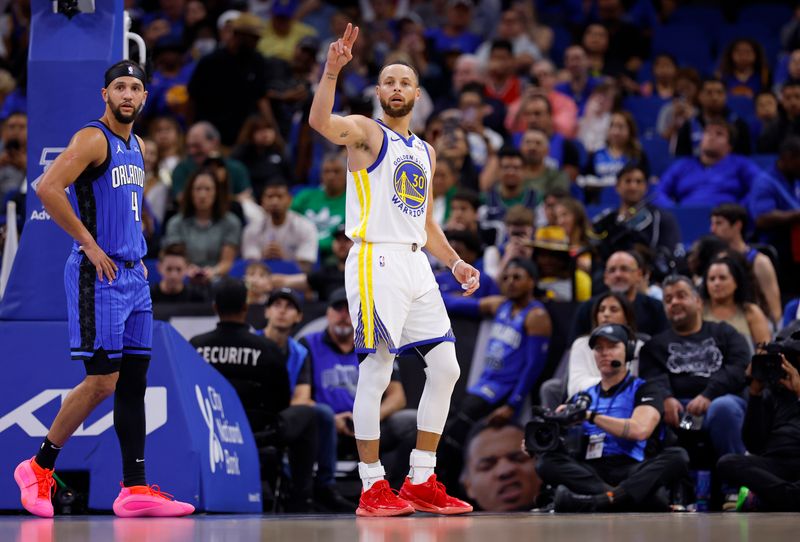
(393,297)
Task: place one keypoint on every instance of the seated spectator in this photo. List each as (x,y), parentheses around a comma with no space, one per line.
(464,205)
(537,173)
(595,44)
(454,33)
(445,184)
(512,27)
(518,243)
(565,112)
(622,148)
(769,475)
(515,357)
(727,296)
(202,143)
(623,274)
(210,233)
(636,221)
(334,374)
(283,31)
(328,278)
(581,83)
(168,136)
(174,271)
(593,125)
(261,379)
(608,308)
(665,78)
(13,156)
(502,84)
(325,205)
(509,188)
(712,102)
(536,112)
(625,412)
(560,277)
(699,367)
(681,108)
(260,148)
(499,476)
(280,233)
(787,124)
(483,141)
(258,280)
(167,93)
(468,246)
(453,145)
(156,192)
(767,112)
(774,204)
(714,177)
(571,216)
(744,68)
(729,222)
(546,211)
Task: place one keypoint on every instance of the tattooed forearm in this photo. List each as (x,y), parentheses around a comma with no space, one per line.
(331,76)
(362,145)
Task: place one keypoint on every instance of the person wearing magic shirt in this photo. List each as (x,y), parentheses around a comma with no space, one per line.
(714,177)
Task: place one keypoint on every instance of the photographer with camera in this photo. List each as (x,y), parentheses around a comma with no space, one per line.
(770,475)
(621,414)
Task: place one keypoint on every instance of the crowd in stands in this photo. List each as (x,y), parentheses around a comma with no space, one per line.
(632,162)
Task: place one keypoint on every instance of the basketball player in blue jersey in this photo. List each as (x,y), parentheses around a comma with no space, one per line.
(393,296)
(109,310)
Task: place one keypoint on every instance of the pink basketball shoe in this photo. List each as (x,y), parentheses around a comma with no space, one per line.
(149,501)
(36,487)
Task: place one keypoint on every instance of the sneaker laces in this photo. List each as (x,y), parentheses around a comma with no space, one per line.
(385,490)
(47,486)
(155,490)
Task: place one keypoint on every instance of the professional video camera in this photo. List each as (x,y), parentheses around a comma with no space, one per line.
(548,430)
(767,367)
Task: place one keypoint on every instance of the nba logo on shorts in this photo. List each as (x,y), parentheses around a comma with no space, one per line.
(410,184)
(381,261)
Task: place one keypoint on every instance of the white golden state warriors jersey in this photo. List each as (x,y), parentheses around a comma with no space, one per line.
(387,202)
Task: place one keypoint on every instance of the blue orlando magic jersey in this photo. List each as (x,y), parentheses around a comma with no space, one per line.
(109,198)
(509,360)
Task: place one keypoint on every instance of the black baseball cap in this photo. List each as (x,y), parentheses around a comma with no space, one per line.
(287,294)
(613,332)
(339,295)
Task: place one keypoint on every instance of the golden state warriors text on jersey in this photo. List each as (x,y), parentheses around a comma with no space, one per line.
(387,202)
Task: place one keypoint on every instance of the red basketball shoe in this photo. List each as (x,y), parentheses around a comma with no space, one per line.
(381,501)
(432,496)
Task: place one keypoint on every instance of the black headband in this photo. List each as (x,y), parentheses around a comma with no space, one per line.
(126,69)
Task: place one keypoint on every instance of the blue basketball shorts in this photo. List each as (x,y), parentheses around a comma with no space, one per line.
(107,320)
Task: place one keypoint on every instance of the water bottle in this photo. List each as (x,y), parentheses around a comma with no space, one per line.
(702,490)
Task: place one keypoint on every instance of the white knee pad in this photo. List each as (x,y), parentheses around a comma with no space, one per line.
(442,373)
(374,375)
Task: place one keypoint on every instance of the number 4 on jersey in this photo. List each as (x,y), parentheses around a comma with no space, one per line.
(135,205)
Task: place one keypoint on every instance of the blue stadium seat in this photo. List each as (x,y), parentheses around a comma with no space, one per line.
(764,161)
(694,222)
(774,16)
(706,16)
(645,110)
(657,150)
(690,44)
(284,267)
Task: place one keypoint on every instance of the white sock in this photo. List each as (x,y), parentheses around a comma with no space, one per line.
(370,473)
(422,465)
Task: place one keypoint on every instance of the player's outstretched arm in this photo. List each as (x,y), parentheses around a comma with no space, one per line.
(88,147)
(335,128)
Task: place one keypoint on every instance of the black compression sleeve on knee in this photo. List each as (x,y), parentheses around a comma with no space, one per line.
(129,418)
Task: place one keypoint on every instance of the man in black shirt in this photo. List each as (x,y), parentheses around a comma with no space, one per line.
(257,369)
(614,473)
(772,436)
(172,288)
(623,274)
(700,367)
